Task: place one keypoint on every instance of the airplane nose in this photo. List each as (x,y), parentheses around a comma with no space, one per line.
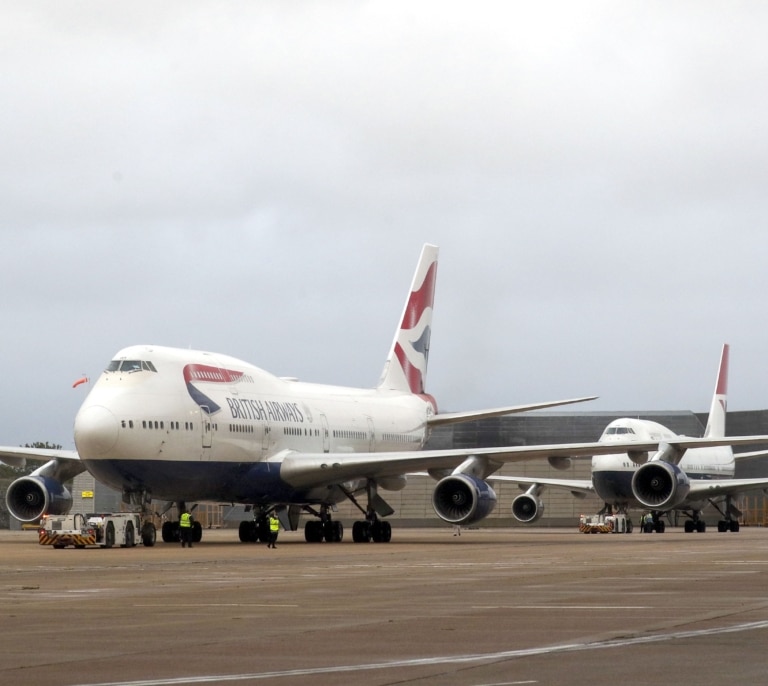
(95,431)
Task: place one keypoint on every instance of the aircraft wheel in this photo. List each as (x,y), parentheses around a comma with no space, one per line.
(313,531)
(361,532)
(197,532)
(381,532)
(247,531)
(722,526)
(148,535)
(734,526)
(262,530)
(701,526)
(688,526)
(170,532)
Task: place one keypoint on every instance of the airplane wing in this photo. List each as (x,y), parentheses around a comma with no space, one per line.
(750,455)
(303,470)
(61,465)
(456,417)
(17,457)
(701,490)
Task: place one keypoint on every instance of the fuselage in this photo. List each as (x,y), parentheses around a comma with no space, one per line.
(612,474)
(179,424)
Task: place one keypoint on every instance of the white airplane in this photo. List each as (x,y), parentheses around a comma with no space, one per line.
(673,479)
(182,426)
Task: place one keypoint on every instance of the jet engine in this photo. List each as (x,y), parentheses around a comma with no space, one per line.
(30,497)
(463,499)
(660,485)
(527,508)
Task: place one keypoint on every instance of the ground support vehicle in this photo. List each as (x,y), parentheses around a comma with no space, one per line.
(605,524)
(124,529)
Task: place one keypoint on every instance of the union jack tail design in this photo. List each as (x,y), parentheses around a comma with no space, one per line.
(406,365)
(716,420)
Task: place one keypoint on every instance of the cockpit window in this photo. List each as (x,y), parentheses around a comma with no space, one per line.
(612,430)
(130,366)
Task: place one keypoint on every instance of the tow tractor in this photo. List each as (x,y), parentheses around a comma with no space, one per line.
(102,530)
(605,524)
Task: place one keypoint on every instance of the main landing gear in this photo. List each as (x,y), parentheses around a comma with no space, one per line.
(651,523)
(170,530)
(363,531)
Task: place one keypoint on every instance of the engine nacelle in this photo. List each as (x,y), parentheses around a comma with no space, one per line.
(30,497)
(660,485)
(527,508)
(463,499)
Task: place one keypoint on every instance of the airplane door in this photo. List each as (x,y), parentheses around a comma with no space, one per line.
(265,437)
(371,435)
(326,434)
(205,420)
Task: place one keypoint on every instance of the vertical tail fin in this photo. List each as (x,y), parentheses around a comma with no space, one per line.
(406,365)
(718,408)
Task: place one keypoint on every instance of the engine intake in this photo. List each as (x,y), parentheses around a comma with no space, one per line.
(30,497)
(660,485)
(527,508)
(463,499)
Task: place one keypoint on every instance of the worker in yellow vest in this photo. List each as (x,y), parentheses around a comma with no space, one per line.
(274,529)
(185,529)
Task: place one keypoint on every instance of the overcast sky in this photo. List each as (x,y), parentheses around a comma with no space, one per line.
(257,179)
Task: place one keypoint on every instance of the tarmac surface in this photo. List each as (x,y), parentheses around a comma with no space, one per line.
(491,607)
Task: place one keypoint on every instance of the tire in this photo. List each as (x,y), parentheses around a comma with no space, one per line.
(197,532)
(130,536)
(313,531)
(386,532)
(333,532)
(247,531)
(734,526)
(262,531)
(109,535)
(381,532)
(148,535)
(170,532)
(361,532)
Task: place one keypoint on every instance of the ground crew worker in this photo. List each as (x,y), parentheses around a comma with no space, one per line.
(274,529)
(185,529)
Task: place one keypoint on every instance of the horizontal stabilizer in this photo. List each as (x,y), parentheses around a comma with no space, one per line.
(456,417)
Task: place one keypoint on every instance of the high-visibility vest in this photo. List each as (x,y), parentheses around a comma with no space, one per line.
(274,524)
(186,520)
